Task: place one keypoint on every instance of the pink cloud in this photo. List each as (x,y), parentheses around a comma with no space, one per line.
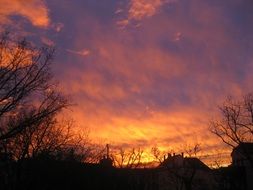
(83,52)
(138,10)
(34,10)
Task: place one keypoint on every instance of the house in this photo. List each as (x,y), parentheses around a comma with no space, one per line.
(179,172)
(242,160)
(179,161)
(242,155)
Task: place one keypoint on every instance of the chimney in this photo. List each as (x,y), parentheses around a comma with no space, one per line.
(174,154)
(169,155)
(107,150)
(182,155)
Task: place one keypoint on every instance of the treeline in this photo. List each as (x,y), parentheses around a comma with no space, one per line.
(30,105)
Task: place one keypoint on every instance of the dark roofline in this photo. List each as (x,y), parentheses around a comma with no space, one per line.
(244,147)
(189,162)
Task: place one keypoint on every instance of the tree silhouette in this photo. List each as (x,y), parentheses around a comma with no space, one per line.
(127,158)
(29,104)
(52,138)
(28,94)
(235,124)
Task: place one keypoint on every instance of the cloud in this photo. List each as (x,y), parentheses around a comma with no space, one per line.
(47,41)
(33,10)
(58,26)
(141,9)
(83,52)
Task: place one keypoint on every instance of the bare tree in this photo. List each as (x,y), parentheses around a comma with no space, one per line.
(192,150)
(159,156)
(29,103)
(130,158)
(51,138)
(26,84)
(235,124)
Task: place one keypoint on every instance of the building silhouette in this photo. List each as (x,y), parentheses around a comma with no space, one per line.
(242,157)
(184,173)
(176,171)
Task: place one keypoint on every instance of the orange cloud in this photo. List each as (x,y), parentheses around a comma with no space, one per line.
(145,129)
(140,9)
(33,10)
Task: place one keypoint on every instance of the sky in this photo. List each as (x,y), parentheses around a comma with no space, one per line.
(143,73)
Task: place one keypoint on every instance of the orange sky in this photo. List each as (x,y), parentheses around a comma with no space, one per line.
(143,73)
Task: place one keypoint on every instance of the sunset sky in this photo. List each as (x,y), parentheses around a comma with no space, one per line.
(143,73)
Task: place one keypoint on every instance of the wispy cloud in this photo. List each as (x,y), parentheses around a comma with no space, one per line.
(83,52)
(57,26)
(47,41)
